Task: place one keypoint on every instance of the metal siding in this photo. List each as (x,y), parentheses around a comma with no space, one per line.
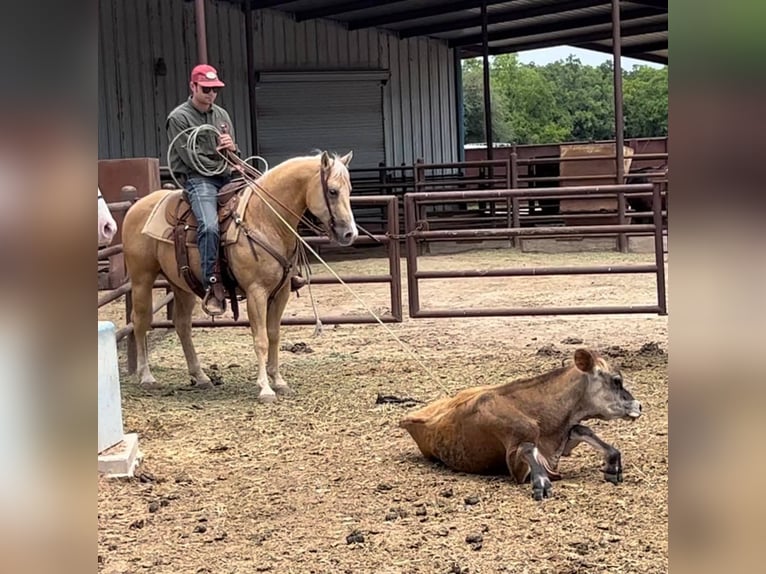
(386,93)
(448,115)
(425,100)
(418,119)
(396,149)
(291,124)
(343,54)
(110,145)
(413,62)
(406,100)
(311,43)
(434,87)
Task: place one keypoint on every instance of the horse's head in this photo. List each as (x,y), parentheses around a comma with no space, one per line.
(329,198)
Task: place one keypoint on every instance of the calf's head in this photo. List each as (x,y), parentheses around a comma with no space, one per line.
(606,397)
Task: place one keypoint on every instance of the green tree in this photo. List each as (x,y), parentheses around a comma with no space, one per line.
(473,105)
(645,101)
(562,101)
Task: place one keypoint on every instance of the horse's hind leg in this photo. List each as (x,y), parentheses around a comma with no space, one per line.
(276,309)
(141,316)
(182,319)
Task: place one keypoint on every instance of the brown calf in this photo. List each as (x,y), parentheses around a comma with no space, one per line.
(526,425)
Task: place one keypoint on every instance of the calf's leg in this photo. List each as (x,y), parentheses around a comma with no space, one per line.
(527,455)
(612,457)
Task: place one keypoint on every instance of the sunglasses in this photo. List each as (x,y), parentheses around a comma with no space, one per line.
(207,89)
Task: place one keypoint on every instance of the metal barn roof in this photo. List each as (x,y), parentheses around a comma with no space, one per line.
(513,26)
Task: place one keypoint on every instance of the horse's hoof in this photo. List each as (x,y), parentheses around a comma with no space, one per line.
(267,398)
(202,385)
(284,390)
(149,385)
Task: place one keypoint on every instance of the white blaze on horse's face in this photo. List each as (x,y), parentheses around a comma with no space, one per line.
(107,226)
(331,203)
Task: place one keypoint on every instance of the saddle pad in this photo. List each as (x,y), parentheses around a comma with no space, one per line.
(157,227)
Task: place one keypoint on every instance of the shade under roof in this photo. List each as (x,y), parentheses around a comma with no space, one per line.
(513,26)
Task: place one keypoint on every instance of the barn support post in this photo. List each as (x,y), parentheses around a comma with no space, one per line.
(619,119)
(659,248)
(250,47)
(458,64)
(487,101)
(199,17)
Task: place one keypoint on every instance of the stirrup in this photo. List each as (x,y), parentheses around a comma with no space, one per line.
(213,312)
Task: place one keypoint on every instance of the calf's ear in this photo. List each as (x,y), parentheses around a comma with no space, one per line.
(584,360)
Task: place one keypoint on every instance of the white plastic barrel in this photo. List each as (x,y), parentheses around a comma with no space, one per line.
(110,431)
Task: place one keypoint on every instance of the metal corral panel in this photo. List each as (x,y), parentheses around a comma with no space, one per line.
(298,117)
(136,91)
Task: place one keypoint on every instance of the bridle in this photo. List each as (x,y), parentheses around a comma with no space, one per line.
(326,194)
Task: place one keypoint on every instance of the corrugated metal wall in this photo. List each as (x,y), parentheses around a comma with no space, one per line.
(419,99)
(133,100)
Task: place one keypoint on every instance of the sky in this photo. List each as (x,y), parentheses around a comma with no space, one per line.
(547,55)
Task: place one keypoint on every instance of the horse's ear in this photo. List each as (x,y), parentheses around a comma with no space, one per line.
(325,160)
(346,159)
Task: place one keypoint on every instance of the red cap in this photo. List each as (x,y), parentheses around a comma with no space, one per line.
(207,76)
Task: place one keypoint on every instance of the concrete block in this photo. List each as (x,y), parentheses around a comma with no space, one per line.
(121,459)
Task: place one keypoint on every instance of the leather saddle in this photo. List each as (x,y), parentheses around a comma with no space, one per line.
(179,215)
(181,218)
(178,211)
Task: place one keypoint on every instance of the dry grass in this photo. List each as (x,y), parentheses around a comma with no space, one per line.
(241,487)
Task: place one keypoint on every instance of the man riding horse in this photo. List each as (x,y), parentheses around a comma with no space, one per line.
(198,110)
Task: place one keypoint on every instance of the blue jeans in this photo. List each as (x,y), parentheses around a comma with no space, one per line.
(203,193)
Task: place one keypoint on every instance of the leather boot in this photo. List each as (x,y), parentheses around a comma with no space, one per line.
(297,282)
(214,303)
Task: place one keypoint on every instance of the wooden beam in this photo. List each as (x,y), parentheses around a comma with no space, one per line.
(656,58)
(662,4)
(339,8)
(566,25)
(576,38)
(394,16)
(261,4)
(510,15)
(645,47)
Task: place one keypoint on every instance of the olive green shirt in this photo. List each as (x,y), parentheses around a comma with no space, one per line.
(187,116)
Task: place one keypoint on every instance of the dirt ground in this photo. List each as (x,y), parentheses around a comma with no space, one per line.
(325,481)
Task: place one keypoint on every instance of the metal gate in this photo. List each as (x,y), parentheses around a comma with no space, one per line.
(417,232)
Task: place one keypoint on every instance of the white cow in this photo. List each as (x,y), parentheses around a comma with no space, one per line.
(107,226)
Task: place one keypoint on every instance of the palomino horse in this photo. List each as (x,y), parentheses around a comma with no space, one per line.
(318,183)
(107,227)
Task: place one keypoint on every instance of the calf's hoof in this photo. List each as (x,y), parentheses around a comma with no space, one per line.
(541,488)
(267,398)
(613,477)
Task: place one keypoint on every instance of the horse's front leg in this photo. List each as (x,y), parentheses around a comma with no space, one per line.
(257,313)
(276,309)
